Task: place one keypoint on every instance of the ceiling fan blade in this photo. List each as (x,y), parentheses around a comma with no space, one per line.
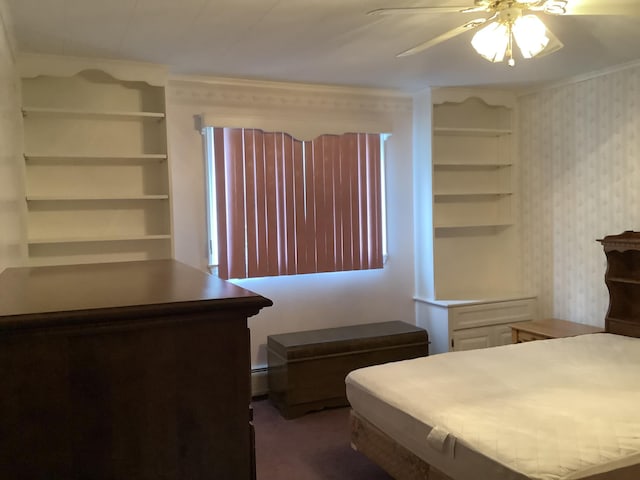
(601,7)
(414,10)
(541,5)
(553,46)
(445,36)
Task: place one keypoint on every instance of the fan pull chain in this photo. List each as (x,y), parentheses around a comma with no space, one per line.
(511,62)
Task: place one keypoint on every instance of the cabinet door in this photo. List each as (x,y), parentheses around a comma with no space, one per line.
(502,335)
(471,339)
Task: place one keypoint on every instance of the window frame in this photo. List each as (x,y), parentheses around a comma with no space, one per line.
(212,240)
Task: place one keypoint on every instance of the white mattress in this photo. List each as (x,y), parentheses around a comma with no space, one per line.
(554,409)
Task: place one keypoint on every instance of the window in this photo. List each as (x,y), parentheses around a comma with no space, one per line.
(280,206)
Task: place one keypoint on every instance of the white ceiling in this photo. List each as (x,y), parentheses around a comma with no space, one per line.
(317,41)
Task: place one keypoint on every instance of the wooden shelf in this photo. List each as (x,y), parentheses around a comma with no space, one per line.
(74,198)
(630,321)
(90,113)
(623,281)
(471,132)
(133,238)
(630,281)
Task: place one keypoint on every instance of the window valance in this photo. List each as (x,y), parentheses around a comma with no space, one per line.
(300,123)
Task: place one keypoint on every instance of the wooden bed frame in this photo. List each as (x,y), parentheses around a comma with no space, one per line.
(384,451)
(402,464)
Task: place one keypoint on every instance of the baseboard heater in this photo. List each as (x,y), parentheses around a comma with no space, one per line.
(259,382)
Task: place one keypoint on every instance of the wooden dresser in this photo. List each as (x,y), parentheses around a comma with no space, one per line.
(136,370)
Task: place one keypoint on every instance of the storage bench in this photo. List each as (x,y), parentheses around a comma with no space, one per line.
(307,369)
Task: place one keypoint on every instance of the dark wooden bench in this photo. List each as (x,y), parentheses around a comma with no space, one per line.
(307,369)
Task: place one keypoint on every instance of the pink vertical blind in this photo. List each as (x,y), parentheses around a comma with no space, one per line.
(289,207)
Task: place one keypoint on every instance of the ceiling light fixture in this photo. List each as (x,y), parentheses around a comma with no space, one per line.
(495,41)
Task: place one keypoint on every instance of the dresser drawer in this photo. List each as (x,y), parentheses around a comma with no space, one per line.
(492,313)
(522,336)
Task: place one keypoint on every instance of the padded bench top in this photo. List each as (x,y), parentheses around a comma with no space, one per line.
(351,338)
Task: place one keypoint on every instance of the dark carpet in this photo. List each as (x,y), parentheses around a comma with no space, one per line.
(312,447)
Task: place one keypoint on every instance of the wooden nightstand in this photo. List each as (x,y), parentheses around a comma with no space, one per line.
(548,328)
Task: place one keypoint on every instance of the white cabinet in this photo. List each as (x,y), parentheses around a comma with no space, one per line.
(470,285)
(470,324)
(97,176)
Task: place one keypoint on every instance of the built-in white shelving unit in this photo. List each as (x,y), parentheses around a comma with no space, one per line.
(473,195)
(97,175)
(474,266)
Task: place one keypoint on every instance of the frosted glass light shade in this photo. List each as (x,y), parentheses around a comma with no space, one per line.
(491,42)
(531,35)
(556,7)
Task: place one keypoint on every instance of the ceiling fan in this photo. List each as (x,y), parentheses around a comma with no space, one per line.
(513,21)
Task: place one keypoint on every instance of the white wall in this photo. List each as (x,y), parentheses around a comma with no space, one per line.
(12,208)
(580,163)
(423,198)
(301,302)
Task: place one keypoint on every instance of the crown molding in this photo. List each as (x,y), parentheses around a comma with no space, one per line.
(298,86)
(581,78)
(264,94)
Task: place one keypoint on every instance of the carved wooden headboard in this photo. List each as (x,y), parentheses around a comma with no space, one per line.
(623,281)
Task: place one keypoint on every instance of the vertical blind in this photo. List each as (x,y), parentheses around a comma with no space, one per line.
(287,207)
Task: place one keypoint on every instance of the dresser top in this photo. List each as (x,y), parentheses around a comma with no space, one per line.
(155,285)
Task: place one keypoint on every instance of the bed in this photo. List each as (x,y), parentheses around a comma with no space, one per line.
(557,409)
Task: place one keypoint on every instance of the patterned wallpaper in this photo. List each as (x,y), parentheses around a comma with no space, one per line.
(580,180)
